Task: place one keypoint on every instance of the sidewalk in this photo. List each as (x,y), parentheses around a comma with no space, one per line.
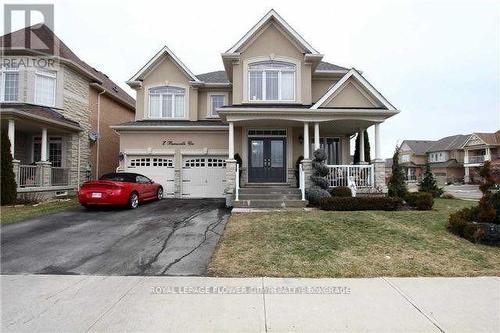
(176,304)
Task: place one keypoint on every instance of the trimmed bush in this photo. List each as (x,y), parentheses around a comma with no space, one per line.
(341,191)
(397,184)
(495,201)
(360,203)
(315,194)
(420,200)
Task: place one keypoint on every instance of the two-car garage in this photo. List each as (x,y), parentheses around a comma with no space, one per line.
(200,176)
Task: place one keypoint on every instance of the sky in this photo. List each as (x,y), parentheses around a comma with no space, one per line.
(436,61)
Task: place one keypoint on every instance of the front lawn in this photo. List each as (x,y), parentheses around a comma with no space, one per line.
(12,214)
(350,244)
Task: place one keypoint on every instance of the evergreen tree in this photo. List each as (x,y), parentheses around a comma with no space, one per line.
(429,183)
(8,181)
(487,212)
(397,185)
(367,148)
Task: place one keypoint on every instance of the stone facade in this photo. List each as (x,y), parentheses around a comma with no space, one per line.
(307,167)
(379,175)
(230,182)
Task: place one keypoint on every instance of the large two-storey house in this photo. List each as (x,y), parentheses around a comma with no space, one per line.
(57,111)
(275,102)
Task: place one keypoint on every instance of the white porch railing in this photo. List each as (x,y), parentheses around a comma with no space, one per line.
(59,176)
(237,194)
(302,185)
(475,159)
(362,175)
(28,176)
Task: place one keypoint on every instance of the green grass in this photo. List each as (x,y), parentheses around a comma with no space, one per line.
(350,244)
(13,214)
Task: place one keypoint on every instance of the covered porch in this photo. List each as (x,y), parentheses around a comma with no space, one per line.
(45,156)
(276,146)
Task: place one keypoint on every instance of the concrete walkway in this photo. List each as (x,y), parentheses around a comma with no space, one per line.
(198,304)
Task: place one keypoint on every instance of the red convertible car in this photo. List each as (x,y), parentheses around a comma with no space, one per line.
(119,189)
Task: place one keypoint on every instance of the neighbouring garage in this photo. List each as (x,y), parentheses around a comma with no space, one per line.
(160,169)
(203,176)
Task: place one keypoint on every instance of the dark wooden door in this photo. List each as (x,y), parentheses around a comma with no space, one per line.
(266,160)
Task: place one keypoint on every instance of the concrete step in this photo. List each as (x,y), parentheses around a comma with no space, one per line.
(270,196)
(259,203)
(269,190)
(267,185)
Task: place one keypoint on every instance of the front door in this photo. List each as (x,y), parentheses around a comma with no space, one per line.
(267,160)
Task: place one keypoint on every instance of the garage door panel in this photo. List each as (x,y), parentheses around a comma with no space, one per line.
(160,169)
(204,177)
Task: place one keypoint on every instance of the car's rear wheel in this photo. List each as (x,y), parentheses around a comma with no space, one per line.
(159,193)
(133,200)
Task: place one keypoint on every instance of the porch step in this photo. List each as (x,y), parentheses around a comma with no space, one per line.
(269,190)
(259,203)
(271,196)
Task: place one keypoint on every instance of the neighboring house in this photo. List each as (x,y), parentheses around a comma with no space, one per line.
(413,158)
(478,148)
(446,158)
(275,100)
(57,110)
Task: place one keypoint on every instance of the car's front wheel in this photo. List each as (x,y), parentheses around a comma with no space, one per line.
(159,193)
(133,201)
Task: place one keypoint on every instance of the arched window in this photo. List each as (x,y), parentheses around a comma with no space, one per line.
(167,102)
(271,81)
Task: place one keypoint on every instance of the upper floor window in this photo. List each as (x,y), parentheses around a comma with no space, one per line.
(167,102)
(405,158)
(271,81)
(216,101)
(9,84)
(45,88)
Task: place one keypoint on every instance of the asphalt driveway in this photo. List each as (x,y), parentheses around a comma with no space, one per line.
(169,237)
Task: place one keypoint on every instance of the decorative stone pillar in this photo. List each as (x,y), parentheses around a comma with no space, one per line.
(379,175)
(307,167)
(467,175)
(177,183)
(15,167)
(44,173)
(230,181)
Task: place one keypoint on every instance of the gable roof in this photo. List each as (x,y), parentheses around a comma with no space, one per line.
(419,147)
(273,15)
(360,79)
(156,59)
(490,138)
(448,143)
(14,42)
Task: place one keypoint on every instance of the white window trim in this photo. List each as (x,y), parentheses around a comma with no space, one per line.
(209,102)
(49,138)
(52,75)
(297,96)
(173,85)
(2,86)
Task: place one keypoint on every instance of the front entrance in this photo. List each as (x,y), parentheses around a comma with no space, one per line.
(267,160)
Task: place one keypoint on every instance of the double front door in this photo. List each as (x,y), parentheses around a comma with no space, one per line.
(267,160)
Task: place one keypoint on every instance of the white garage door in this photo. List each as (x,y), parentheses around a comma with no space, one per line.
(158,168)
(203,176)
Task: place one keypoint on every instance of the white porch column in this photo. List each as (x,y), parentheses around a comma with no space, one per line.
(487,156)
(466,156)
(316,136)
(306,141)
(231,141)
(377,142)
(12,135)
(361,134)
(43,150)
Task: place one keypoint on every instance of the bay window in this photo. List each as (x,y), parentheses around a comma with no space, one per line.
(9,84)
(45,88)
(167,102)
(216,101)
(271,81)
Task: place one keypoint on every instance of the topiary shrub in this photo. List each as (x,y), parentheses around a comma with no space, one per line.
(429,183)
(8,179)
(341,191)
(495,202)
(360,203)
(420,200)
(319,186)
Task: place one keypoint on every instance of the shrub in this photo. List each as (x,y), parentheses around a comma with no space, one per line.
(420,200)
(8,182)
(397,185)
(495,201)
(487,212)
(341,191)
(360,203)
(321,182)
(314,195)
(429,183)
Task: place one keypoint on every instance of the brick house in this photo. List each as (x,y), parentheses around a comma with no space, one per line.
(478,148)
(57,110)
(413,157)
(446,159)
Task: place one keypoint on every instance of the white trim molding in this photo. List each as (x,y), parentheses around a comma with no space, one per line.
(147,102)
(361,81)
(209,114)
